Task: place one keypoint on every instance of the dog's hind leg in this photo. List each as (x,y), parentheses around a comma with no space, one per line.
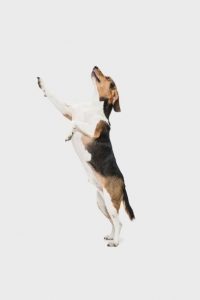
(113,213)
(65,109)
(103,209)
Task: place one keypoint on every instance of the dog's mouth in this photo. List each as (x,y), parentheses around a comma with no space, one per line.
(95,76)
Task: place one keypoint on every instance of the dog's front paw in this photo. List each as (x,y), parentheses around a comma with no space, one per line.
(72,131)
(41,86)
(69,137)
(112,244)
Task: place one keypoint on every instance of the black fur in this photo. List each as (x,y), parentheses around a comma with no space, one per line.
(104,163)
(107,108)
(102,156)
(128,208)
(103,99)
(112,85)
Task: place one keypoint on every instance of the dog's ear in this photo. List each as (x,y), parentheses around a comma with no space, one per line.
(115,100)
(116,106)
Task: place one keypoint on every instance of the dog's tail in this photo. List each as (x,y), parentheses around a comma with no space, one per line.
(128,208)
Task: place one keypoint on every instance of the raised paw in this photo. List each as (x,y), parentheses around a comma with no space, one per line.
(68,138)
(108,237)
(112,244)
(41,85)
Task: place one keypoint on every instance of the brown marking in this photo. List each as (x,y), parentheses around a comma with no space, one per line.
(101,126)
(68,116)
(113,185)
(115,100)
(86,140)
(107,88)
(117,106)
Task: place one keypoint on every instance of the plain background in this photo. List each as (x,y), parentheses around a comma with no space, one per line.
(51,232)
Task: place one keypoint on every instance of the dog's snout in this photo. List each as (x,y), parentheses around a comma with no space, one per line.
(96,72)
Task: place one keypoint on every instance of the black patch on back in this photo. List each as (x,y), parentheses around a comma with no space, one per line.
(102,156)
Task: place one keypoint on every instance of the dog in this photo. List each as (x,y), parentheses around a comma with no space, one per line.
(89,133)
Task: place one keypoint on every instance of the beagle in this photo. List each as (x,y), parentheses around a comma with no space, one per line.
(89,133)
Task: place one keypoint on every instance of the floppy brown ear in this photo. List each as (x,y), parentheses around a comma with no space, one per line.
(116,106)
(115,101)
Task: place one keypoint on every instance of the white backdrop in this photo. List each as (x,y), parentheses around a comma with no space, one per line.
(51,232)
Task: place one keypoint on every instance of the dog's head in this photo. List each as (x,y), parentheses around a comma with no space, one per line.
(106,88)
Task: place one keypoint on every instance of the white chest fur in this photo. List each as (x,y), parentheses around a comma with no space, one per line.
(84,157)
(83,154)
(90,113)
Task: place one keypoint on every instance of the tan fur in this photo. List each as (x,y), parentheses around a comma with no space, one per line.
(101,126)
(113,185)
(105,91)
(68,116)
(86,140)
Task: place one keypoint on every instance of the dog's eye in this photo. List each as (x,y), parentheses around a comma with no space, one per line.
(112,85)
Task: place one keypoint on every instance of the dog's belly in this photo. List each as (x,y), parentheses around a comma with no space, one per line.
(84,157)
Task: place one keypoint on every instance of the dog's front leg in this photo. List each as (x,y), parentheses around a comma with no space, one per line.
(65,109)
(82,127)
(71,131)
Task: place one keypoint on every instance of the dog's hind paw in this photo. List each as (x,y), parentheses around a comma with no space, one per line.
(108,237)
(112,244)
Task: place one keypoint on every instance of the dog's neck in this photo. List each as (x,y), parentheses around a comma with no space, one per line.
(107,108)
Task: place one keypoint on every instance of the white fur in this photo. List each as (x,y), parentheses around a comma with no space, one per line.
(114,217)
(84,157)
(102,206)
(85,118)
(62,107)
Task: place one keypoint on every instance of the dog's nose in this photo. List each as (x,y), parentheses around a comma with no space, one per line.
(95,67)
